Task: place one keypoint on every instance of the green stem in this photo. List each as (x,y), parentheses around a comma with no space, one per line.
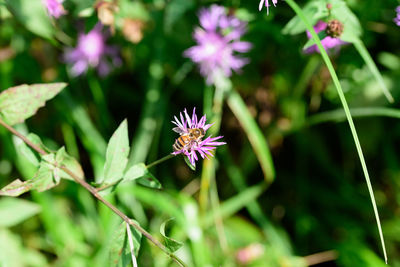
(208,166)
(339,89)
(170,156)
(94,192)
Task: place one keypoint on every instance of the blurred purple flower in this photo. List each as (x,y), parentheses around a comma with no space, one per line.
(260,6)
(55,8)
(203,147)
(397,18)
(329,42)
(218,39)
(92,51)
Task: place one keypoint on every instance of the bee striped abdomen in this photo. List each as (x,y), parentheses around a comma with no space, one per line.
(180,143)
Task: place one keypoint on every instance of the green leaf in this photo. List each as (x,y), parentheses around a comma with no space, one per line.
(190,165)
(171,244)
(14,211)
(117,154)
(48,176)
(32,14)
(135,172)
(141,174)
(27,152)
(21,102)
(149,181)
(63,159)
(16,188)
(119,252)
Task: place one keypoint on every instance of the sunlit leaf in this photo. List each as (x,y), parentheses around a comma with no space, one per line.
(21,102)
(117,154)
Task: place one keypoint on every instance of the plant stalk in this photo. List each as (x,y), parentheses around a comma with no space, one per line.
(95,193)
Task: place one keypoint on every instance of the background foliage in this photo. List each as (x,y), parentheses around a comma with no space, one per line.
(318,201)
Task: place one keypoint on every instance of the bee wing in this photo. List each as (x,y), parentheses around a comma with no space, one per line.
(179,130)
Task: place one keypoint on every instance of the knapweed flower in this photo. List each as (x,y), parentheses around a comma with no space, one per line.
(55,8)
(92,51)
(218,41)
(397,18)
(191,141)
(333,29)
(266,3)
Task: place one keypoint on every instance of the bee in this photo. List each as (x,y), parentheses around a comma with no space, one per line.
(187,138)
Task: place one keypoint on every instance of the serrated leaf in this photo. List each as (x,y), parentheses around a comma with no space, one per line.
(63,159)
(21,102)
(119,253)
(32,14)
(117,154)
(14,211)
(171,244)
(187,161)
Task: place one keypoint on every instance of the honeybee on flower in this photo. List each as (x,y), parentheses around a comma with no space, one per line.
(190,142)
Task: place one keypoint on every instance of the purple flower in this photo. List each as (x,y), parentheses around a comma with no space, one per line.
(55,8)
(397,18)
(92,51)
(260,6)
(334,28)
(195,144)
(218,39)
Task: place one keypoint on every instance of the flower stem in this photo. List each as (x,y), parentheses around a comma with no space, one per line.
(339,89)
(95,193)
(170,156)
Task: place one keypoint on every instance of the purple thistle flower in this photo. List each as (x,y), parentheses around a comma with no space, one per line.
(397,18)
(260,6)
(92,51)
(203,147)
(328,42)
(55,8)
(218,39)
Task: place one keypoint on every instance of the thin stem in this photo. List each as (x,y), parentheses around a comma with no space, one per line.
(95,193)
(170,156)
(339,89)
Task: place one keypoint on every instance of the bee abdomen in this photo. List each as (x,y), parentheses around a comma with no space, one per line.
(179,144)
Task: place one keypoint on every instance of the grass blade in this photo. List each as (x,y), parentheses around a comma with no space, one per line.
(339,89)
(253,132)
